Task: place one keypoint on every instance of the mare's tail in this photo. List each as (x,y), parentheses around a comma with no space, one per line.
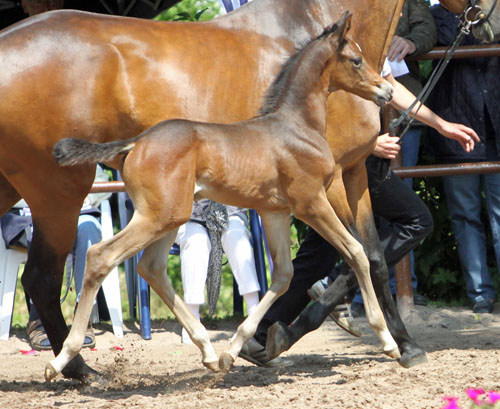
(74,151)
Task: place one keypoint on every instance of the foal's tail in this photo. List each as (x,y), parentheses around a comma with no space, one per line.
(74,151)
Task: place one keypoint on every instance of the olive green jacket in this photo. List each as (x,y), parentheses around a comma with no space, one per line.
(416,24)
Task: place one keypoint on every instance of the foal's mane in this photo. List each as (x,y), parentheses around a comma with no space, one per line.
(282,80)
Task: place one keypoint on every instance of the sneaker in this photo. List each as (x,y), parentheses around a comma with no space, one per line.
(89,340)
(37,337)
(357,309)
(419,299)
(255,353)
(484,306)
(345,322)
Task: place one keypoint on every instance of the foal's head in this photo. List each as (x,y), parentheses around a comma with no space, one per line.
(348,70)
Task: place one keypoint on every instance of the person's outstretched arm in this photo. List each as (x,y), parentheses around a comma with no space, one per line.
(402,98)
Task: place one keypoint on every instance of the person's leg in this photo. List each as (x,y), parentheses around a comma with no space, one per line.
(410,148)
(236,244)
(463,195)
(194,245)
(314,260)
(89,233)
(492,195)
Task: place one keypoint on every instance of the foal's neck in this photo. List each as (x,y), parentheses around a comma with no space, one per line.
(300,91)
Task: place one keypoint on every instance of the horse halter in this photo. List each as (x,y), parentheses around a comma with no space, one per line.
(478,16)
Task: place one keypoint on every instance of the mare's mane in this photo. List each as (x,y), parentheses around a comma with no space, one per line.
(281,81)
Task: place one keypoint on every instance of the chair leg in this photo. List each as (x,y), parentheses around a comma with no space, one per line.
(8,279)
(111,289)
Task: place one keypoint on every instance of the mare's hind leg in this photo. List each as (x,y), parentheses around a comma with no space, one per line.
(277,227)
(327,224)
(8,195)
(54,230)
(153,267)
(101,259)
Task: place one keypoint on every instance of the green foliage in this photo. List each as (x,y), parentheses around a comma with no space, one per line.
(191,10)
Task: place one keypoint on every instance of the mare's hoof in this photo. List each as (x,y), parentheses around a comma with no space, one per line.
(413,357)
(226,361)
(277,340)
(50,372)
(212,366)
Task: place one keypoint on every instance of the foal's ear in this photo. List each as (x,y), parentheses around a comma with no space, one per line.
(344,25)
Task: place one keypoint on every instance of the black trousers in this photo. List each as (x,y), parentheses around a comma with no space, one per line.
(403,220)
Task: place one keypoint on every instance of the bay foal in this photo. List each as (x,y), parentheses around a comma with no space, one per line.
(277,163)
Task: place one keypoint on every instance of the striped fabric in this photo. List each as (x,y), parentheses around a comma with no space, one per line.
(230,5)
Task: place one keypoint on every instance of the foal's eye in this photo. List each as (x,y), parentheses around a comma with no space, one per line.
(357,62)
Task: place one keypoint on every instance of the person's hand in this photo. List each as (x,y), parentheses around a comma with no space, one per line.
(400,48)
(386,146)
(461,133)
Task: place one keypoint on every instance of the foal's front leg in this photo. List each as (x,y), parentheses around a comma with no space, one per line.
(277,227)
(153,267)
(327,224)
(101,259)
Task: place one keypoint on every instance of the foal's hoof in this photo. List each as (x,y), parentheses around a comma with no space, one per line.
(212,366)
(79,370)
(413,357)
(226,361)
(50,372)
(393,353)
(277,340)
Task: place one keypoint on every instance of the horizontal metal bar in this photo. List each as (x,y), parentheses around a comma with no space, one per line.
(446,170)
(464,51)
(403,172)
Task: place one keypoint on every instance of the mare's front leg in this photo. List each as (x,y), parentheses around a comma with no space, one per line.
(153,267)
(277,227)
(411,353)
(101,259)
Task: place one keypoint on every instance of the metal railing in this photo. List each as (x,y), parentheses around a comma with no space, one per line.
(403,268)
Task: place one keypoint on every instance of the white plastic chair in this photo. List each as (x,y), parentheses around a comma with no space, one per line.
(11,259)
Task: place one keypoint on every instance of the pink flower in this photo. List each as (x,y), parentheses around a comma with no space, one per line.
(474,394)
(493,397)
(452,402)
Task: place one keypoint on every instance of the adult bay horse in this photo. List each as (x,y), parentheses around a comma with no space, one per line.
(103,78)
(261,163)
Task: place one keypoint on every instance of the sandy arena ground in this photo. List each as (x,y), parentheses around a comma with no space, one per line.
(330,369)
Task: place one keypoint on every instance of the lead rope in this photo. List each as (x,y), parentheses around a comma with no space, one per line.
(463,30)
(381,167)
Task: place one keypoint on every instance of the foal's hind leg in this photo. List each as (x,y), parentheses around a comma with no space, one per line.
(327,224)
(277,227)
(101,259)
(152,267)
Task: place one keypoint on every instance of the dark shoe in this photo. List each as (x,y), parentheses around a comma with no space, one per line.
(357,309)
(419,299)
(342,318)
(255,353)
(37,337)
(483,307)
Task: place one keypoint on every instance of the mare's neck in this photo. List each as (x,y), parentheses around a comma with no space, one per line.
(296,21)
